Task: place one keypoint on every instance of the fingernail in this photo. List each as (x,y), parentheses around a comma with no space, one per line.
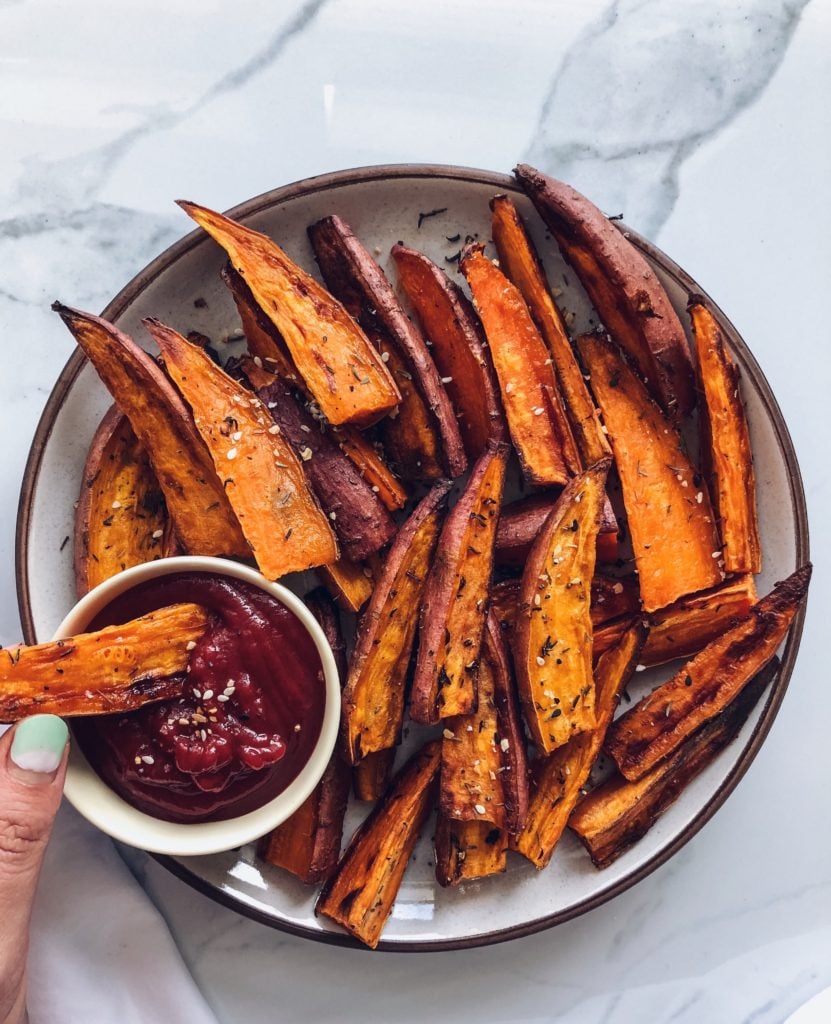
(38,744)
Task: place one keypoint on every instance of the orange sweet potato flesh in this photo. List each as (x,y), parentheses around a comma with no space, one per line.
(371,775)
(359,895)
(349,583)
(457,347)
(373,699)
(333,356)
(121,519)
(202,516)
(455,600)
(518,259)
(615,815)
(424,436)
(536,421)
(674,538)
(372,467)
(552,641)
(726,438)
(467,850)
(631,301)
(263,479)
(657,725)
(109,671)
(559,778)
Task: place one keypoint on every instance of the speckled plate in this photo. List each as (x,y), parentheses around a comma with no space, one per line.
(383,206)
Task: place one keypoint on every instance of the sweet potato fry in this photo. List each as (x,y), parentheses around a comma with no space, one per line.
(371,466)
(537,424)
(360,521)
(308,843)
(519,261)
(373,699)
(559,778)
(624,289)
(467,850)
(202,516)
(262,477)
(115,669)
(553,633)
(674,539)
(455,599)
(337,363)
(615,815)
(424,436)
(657,725)
(121,519)
(521,521)
(726,443)
(361,892)
(613,596)
(349,583)
(371,775)
(453,330)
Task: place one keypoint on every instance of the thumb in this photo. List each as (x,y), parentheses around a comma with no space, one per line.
(32,769)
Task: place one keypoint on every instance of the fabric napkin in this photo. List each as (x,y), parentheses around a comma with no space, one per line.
(100,951)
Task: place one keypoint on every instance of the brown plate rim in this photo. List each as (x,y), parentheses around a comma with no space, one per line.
(502,183)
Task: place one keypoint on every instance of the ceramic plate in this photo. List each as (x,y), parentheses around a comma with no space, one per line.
(183,288)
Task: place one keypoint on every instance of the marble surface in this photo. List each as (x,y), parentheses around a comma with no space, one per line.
(705,124)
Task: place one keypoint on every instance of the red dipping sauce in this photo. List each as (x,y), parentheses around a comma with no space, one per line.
(248,719)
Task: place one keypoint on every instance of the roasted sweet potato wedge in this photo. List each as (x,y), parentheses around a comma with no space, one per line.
(360,893)
(361,522)
(467,850)
(657,725)
(726,443)
(371,775)
(615,815)
(115,669)
(349,583)
(536,421)
(262,477)
(559,778)
(631,301)
(519,261)
(196,501)
(521,521)
(337,363)
(674,538)
(455,600)
(308,843)
(552,641)
(454,332)
(424,436)
(373,699)
(121,519)
(614,596)
(372,467)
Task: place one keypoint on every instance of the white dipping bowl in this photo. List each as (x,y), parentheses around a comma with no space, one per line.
(90,795)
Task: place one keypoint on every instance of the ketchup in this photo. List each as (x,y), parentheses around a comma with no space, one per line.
(247,721)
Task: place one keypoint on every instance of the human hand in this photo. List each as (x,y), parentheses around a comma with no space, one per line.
(32,769)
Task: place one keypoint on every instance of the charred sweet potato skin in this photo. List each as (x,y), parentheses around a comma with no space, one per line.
(121,519)
(468,850)
(448,321)
(559,778)
(657,725)
(455,598)
(373,699)
(109,671)
(262,477)
(519,260)
(359,895)
(553,634)
(726,437)
(615,815)
(201,513)
(674,538)
(332,355)
(624,289)
(353,275)
(536,422)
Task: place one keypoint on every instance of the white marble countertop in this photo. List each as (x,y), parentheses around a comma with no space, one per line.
(707,125)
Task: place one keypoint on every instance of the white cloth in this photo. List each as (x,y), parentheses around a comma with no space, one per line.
(100,951)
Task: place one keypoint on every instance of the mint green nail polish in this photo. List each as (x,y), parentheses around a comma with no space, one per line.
(38,743)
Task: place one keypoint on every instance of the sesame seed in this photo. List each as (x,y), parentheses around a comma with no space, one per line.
(147,759)
(716,554)
(504,745)
(222,697)
(537,600)
(236,436)
(447,380)
(539,411)
(274,429)
(197,694)
(203,735)
(305,454)
(540,660)
(297,727)
(385,357)
(157,534)
(231,454)
(190,645)
(618,588)
(258,362)
(116,504)
(699,497)
(640,668)
(137,760)
(509,387)
(207,695)
(479,808)
(333,515)
(375,488)
(184,721)
(448,735)
(603,428)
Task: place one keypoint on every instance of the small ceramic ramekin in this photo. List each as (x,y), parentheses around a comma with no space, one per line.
(90,795)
